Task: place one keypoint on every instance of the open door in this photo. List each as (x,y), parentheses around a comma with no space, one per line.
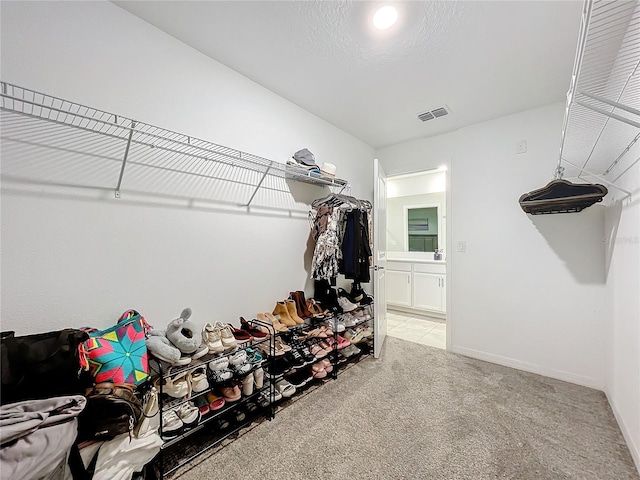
(379,257)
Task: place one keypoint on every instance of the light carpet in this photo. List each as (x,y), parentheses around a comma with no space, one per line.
(421,413)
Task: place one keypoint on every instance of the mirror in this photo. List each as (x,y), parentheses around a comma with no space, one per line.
(422,228)
(416,214)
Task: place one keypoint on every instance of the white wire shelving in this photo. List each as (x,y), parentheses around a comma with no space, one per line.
(49,140)
(602,117)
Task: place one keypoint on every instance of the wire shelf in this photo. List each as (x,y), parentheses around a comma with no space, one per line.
(50,140)
(602,117)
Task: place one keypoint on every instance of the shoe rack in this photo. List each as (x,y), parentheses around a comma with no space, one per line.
(134,158)
(216,426)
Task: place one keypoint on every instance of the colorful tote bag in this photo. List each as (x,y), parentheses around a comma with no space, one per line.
(118,354)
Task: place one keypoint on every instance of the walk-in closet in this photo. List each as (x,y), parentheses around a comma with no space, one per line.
(311,240)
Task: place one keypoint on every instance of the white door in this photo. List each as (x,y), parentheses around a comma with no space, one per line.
(379,257)
(427,291)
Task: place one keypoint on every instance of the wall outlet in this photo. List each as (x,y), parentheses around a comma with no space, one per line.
(521,146)
(462,246)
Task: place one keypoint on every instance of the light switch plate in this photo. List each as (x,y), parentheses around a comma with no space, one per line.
(462,246)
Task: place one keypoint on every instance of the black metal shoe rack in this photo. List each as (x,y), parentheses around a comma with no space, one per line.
(218,425)
(207,434)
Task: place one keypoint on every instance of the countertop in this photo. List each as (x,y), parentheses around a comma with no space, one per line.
(416,260)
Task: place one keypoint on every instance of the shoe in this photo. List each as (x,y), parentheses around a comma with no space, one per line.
(315,309)
(306,353)
(291,308)
(299,378)
(336,325)
(247,385)
(199,382)
(258,377)
(353,336)
(221,423)
(296,359)
(270,318)
(281,347)
(215,402)
(346,305)
(285,388)
(318,351)
(327,365)
(255,332)
(241,336)
(202,350)
(277,367)
(172,426)
(219,370)
(176,387)
(238,363)
(251,406)
(231,394)
(253,356)
(226,336)
(366,332)
(203,405)
(361,315)
(318,370)
(211,338)
(349,320)
(239,416)
(189,414)
(282,313)
(301,304)
(317,333)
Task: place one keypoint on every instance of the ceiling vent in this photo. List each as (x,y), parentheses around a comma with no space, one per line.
(430,115)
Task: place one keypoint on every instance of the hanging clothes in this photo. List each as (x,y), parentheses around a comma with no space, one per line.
(341,231)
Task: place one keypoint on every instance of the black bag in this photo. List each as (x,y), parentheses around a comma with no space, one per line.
(111,410)
(42,365)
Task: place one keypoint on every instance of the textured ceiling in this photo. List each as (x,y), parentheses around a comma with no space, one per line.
(482,59)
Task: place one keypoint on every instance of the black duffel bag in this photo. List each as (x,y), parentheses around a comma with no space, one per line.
(42,365)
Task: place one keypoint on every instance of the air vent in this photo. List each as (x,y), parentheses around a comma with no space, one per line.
(430,115)
(426,116)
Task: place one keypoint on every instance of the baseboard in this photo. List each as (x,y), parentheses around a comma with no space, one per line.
(529,367)
(417,311)
(633,448)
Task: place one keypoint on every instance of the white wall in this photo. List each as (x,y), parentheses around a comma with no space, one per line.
(74,257)
(530,291)
(403,186)
(622,239)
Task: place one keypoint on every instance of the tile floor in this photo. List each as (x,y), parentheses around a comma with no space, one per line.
(414,328)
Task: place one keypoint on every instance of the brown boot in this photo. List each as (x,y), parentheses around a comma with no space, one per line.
(291,307)
(283,312)
(301,304)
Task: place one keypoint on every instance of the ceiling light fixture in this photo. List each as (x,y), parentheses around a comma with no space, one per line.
(385,17)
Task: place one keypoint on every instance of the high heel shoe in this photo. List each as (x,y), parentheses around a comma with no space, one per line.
(255,332)
(270,318)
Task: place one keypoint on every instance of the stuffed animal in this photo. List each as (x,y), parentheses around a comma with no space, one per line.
(160,347)
(184,334)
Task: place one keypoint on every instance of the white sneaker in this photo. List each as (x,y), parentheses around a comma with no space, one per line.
(189,414)
(211,338)
(349,320)
(199,382)
(336,325)
(346,305)
(247,385)
(172,426)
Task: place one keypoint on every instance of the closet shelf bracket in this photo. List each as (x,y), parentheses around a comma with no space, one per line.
(264,175)
(124,159)
(560,170)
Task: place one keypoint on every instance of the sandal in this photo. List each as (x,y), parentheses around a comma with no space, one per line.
(285,388)
(314,308)
(270,318)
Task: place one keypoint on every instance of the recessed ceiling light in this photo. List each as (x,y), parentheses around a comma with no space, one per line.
(385,17)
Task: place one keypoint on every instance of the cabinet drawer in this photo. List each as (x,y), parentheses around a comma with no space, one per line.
(399,266)
(438,268)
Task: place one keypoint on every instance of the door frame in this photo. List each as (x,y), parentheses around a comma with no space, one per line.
(449,244)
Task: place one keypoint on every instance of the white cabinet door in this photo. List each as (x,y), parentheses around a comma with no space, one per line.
(427,291)
(398,288)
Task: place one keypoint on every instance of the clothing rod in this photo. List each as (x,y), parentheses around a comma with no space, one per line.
(628,194)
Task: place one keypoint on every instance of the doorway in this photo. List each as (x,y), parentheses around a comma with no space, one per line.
(416,268)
